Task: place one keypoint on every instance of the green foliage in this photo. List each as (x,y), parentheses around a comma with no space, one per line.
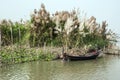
(20,55)
(12,33)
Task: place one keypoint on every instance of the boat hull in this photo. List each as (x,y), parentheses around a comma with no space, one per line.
(76,58)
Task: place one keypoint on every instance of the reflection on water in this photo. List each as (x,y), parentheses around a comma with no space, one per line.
(107,68)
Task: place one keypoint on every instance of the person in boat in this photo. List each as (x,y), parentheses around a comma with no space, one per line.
(97,50)
(92,52)
(65,57)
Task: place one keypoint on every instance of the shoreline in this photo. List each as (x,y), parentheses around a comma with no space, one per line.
(15,54)
(20,55)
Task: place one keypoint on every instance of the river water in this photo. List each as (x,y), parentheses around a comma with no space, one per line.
(105,68)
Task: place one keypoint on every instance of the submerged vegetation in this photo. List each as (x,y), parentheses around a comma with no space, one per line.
(63,28)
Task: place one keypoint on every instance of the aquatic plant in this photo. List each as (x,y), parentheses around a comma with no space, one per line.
(13,55)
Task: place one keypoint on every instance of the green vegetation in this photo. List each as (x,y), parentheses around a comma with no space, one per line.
(60,29)
(19,55)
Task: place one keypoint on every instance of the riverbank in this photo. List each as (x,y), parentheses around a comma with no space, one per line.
(14,54)
(21,54)
(112,51)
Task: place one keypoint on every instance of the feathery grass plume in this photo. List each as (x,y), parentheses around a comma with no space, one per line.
(63,27)
(41,27)
(104,25)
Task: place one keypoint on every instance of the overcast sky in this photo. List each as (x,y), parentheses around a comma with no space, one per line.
(108,10)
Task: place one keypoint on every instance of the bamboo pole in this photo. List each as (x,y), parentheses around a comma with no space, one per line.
(45,48)
(19,36)
(11,35)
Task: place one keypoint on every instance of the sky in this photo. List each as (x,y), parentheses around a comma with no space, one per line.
(108,10)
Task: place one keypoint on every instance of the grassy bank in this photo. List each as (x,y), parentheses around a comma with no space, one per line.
(11,55)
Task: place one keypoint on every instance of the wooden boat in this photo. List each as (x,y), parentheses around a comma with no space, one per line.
(92,55)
